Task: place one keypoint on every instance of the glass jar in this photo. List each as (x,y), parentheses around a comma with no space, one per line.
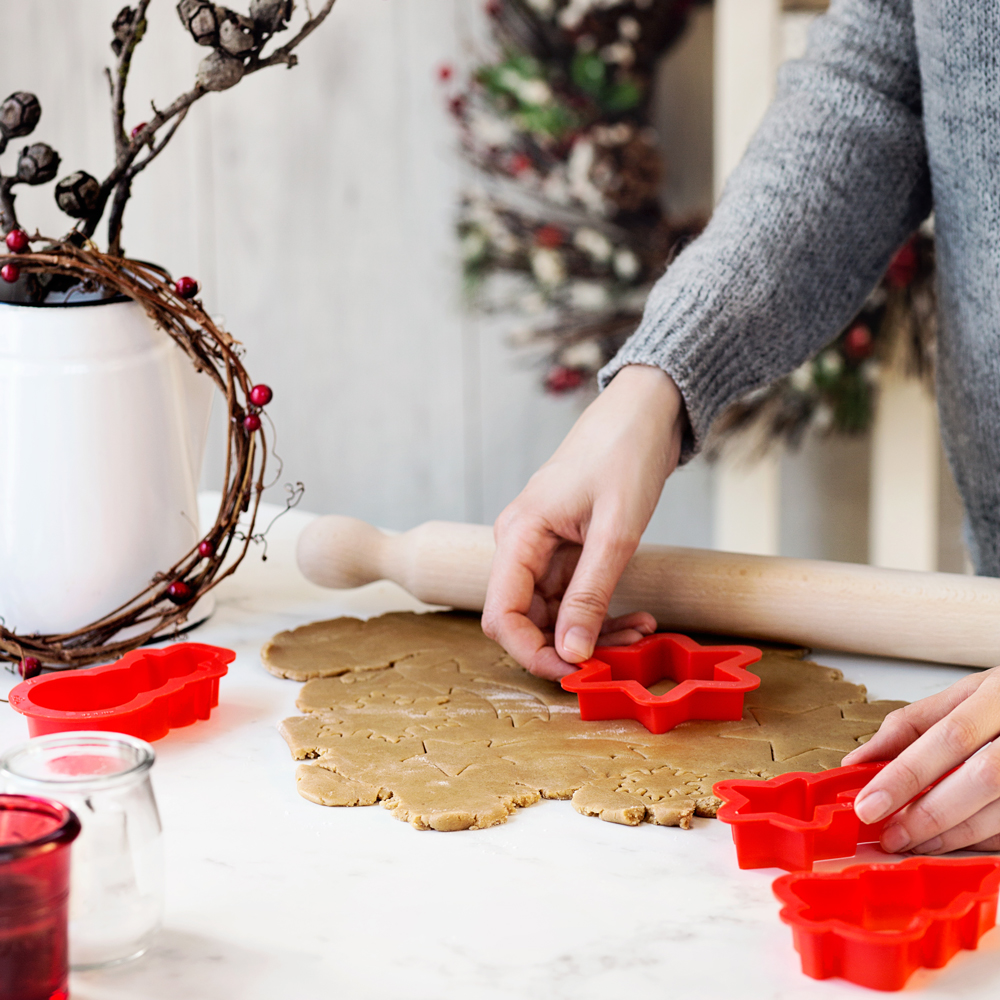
(116,895)
(35,836)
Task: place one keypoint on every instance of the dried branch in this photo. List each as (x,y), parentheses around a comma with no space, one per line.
(119,180)
(130,27)
(284,55)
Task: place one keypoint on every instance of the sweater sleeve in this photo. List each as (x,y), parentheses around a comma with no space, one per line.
(832,183)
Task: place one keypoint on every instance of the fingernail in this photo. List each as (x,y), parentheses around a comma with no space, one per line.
(577,642)
(873,807)
(929,847)
(895,839)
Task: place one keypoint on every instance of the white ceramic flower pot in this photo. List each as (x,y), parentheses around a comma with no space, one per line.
(103,423)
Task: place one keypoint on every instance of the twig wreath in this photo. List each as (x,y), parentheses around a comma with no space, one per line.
(58,271)
(170,595)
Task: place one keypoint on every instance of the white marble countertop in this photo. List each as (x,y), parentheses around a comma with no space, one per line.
(270,896)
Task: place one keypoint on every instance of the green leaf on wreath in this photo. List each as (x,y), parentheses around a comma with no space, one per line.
(550,121)
(589,73)
(622,96)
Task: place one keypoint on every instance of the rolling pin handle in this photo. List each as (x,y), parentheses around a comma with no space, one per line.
(340,552)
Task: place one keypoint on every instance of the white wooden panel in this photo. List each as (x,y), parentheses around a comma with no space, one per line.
(824,499)
(747,54)
(903,531)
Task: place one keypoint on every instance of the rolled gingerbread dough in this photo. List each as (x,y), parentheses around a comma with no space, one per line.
(423,713)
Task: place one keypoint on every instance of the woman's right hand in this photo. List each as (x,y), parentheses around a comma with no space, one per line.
(563,543)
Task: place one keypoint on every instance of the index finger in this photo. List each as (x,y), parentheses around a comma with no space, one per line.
(522,555)
(950,741)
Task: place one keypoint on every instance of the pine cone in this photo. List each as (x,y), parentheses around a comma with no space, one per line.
(37,164)
(201,19)
(236,34)
(19,114)
(219,71)
(77,194)
(271,15)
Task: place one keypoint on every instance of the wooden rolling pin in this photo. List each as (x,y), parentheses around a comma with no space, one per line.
(939,617)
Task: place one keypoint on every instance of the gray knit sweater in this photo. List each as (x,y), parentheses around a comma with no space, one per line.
(894,110)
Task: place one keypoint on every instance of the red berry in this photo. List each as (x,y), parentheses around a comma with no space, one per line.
(903,267)
(138,128)
(858,342)
(519,163)
(549,237)
(186,288)
(180,592)
(29,667)
(561,379)
(206,548)
(17,241)
(445,72)
(261,395)
(457,106)
(251,422)
(10,272)
(494,8)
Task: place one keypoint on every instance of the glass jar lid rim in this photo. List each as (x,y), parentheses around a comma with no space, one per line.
(96,739)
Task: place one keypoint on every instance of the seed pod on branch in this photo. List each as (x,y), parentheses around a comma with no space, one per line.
(236,34)
(37,164)
(77,194)
(19,115)
(219,71)
(271,15)
(201,19)
(122,27)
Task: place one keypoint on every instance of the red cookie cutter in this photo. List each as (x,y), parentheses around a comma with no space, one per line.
(876,924)
(614,683)
(146,693)
(797,818)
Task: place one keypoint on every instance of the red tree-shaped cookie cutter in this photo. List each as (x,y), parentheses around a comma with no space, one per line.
(876,924)
(146,693)
(712,681)
(797,818)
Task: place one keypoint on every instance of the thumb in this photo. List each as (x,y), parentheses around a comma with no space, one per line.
(585,603)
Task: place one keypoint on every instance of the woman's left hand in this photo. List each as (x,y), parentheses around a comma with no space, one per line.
(924,741)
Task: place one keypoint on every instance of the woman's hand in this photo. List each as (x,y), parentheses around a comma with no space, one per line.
(563,543)
(931,737)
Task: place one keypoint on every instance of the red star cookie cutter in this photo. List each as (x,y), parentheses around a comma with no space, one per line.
(615,682)
(876,924)
(797,818)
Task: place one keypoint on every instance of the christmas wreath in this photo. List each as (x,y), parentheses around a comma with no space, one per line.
(566,227)
(37,270)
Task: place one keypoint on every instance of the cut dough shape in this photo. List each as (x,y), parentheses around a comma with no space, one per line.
(426,715)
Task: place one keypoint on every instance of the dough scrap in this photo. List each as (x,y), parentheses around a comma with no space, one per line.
(423,713)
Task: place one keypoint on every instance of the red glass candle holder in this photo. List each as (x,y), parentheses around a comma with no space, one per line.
(34,894)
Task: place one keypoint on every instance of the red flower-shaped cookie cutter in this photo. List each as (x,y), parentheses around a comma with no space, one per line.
(797,818)
(146,693)
(876,924)
(615,682)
